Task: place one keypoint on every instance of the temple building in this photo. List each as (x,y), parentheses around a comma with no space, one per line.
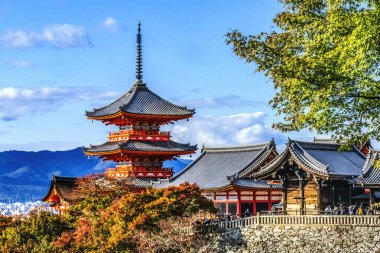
(304,179)
(59,194)
(139,147)
(224,176)
(369,179)
(314,175)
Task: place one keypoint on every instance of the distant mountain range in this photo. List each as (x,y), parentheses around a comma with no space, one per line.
(25,176)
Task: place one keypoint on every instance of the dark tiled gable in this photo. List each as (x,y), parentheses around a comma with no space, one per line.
(63,185)
(219,167)
(345,163)
(370,176)
(323,159)
(141,100)
(159,146)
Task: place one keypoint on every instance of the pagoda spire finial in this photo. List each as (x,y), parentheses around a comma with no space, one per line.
(139,54)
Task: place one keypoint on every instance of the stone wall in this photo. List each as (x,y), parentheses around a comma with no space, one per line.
(300,238)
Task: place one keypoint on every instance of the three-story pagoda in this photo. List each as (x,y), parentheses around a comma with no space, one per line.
(139,147)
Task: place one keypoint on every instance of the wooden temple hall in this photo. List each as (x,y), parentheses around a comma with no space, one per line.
(303,179)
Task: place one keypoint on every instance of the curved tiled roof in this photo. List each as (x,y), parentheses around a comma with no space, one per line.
(323,159)
(133,145)
(63,186)
(252,183)
(370,175)
(220,167)
(140,100)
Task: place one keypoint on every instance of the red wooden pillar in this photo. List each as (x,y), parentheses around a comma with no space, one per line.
(254,202)
(269,200)
(238,208)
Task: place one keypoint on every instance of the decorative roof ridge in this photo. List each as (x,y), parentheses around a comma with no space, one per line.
(238,148)
(368,165)
(343,141)
(357,150)
(104,143)
(317,166)
(309,156)
(328,140)
(259,158)
(315,144)
(187,167)
(269,167)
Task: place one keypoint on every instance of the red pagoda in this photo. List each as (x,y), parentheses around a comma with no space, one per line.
(139,147)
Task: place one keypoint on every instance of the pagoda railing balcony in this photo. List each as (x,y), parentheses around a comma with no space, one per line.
(140,169)
(124,135)
(139,172)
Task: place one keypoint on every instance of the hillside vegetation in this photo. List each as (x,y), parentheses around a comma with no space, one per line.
(121,220)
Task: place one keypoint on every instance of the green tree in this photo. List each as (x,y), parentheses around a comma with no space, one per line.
(35,233)
(323,58)
(107,223)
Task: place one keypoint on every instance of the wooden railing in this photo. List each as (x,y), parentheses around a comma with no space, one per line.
(124,135)
(346,220)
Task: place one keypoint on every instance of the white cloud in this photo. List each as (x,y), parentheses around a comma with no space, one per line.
(16,102)
(57,36)
(226,101)
(38,146)
(20,64)
(238,129)
(110,24)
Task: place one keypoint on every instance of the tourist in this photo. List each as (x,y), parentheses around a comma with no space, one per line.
(351,210)
(359,211)
(328,210)
(336,210)
(343,210)
(247,213)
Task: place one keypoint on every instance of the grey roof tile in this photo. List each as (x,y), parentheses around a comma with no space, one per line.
(258,184)
(370,175)
(64,187)
(159,146)
(345,163)
(140,100)
(213,167)
(324,159)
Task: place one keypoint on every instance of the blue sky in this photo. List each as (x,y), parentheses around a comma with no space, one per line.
(60,58)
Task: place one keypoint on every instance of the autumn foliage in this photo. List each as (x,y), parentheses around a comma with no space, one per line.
(106,223)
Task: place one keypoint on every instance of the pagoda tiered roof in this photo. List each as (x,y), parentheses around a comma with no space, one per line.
(223,167)
(140,101)
(140,146)
(323,159)
(370,175)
